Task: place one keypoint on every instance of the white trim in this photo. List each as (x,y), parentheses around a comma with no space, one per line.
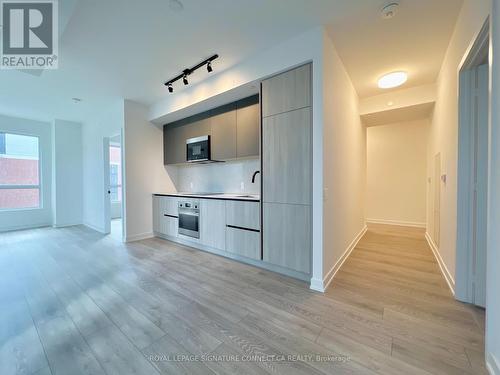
(322,285)
(66,225)
(93,227)
(492,364)
(397,222)
(442,266)
(138,237)
(24,227)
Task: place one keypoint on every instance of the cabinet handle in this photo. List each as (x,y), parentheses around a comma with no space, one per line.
(175,217)
(241,228)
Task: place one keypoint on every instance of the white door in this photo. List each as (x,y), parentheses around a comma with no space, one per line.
(107,188)
(479,181)
(437,199)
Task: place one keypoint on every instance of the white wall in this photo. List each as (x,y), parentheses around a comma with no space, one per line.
(396,187)
(307,47)
(67,174)
(28,218)
(401,98)
(116,210)
(106,124)
(493,282)
(229,177)
(443,135)
(145,174)
(344,162)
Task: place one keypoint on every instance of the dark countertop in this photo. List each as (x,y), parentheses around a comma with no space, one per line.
(221,196)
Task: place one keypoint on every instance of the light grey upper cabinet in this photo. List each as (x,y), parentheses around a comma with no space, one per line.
(223,138)
(287,91)
(201,125)
(247,127)
(172,140)
(287,157)
(234,132)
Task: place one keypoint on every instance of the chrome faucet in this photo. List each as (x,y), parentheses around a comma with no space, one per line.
(253,177)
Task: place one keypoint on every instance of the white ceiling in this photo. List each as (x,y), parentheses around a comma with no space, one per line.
(113,49)
(415,40)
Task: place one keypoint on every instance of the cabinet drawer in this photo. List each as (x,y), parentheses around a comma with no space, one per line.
(243,214)
(169,226)
(169,206)
(243,242)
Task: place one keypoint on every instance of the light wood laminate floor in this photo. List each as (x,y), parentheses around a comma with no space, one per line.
(75,302)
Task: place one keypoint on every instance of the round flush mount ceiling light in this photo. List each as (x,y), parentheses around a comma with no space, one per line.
(176,5)
(393,79)
(389,10)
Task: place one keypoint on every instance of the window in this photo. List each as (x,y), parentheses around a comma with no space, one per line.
(115,173)
(19,171)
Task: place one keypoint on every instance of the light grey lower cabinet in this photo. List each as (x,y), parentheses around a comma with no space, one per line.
(165,216)
(213,223)
(243,214)
(243,242)
(287,236)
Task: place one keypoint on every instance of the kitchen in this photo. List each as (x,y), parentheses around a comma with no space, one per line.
(242,172)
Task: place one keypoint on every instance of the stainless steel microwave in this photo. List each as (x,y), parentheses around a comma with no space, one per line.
(198,149)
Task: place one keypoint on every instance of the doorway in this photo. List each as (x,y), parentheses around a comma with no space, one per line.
(472,191)
(113,197)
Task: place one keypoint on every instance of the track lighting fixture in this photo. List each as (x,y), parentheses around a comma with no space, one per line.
(187,72)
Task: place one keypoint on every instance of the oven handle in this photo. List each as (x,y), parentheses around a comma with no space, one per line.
(189,213)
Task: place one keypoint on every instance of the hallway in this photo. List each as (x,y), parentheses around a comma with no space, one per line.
(393,275)
(78,300)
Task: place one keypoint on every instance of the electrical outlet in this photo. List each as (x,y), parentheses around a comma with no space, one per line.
(191,185)
(242,186)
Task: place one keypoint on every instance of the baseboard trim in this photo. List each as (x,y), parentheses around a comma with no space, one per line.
(93,227)
(321,285)
(65,225)
(138,237)
(442,266)
(492,364)
(24,227)
(397,222)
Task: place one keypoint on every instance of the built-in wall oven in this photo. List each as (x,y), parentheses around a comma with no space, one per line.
(189,218)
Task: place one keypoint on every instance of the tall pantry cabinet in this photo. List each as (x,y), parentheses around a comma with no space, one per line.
(287,169)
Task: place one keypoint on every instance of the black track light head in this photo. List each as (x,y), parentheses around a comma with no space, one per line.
(170,88)
(209,67)
(185,80)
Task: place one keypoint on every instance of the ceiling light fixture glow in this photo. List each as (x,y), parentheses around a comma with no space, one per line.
(393,79)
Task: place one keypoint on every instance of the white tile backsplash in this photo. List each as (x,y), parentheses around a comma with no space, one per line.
(228,177)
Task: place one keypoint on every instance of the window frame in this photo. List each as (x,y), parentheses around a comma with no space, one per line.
(118,186)
(27,187)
